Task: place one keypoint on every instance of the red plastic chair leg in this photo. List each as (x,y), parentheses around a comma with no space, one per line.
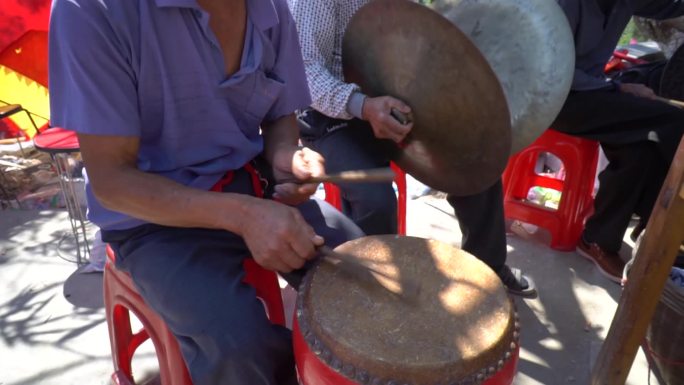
(333,195)
(266,284)
(400,181)
(119,378)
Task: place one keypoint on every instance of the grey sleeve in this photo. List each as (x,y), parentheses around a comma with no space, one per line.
(316,21)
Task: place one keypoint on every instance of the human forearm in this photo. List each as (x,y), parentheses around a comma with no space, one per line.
(281,138)
(120,186)
(159,200)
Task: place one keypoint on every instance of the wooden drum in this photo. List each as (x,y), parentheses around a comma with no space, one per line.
(460,327)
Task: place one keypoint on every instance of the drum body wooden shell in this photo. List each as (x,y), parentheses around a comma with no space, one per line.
(313,371)
(489,351)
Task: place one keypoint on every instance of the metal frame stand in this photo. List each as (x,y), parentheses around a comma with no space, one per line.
(77,217)
(62,145)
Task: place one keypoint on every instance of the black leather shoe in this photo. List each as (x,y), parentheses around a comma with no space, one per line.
(516,283)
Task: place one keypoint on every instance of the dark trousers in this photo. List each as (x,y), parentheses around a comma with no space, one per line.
(193,279)
(348,145)
(639,137)
(483,226)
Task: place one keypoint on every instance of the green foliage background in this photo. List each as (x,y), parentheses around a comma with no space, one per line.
(629,33)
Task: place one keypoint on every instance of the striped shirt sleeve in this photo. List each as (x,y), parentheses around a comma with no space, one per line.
(317,21)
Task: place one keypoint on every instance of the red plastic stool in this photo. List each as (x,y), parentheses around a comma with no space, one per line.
(333,196)
(121,298)
(579,157)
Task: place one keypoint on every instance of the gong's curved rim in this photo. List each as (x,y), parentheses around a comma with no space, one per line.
(461,136)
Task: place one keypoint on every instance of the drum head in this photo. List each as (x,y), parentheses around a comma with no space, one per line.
(530,46)
(672,79)
(460,327)
(461,136)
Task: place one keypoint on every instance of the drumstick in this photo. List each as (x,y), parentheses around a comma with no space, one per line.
(672,102)
(409,289)
(385,174)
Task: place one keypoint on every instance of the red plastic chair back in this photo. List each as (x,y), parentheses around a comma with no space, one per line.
(579,157)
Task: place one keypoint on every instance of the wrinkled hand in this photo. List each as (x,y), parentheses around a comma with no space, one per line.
(278,236)
(377,111)
(637,90)
(296,163)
